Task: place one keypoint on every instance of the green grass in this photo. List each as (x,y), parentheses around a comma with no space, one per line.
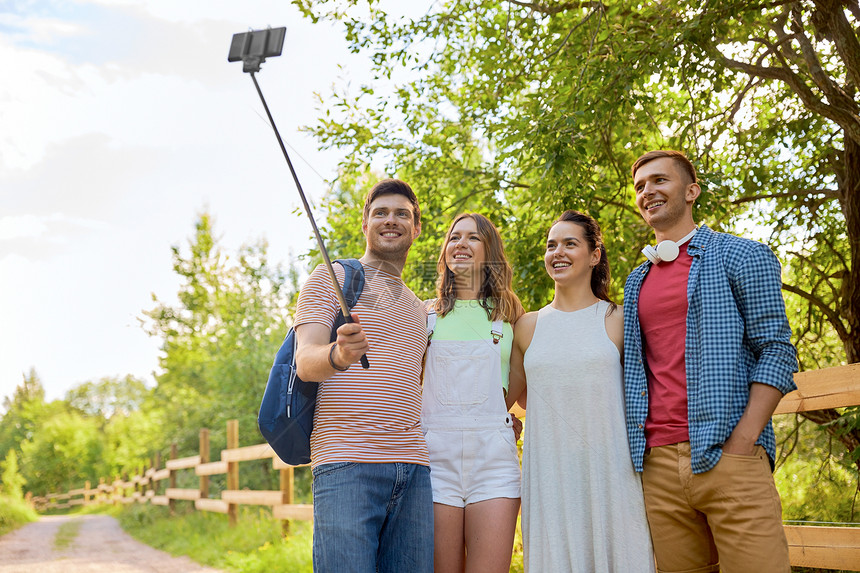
(517,556)
(14,513)
(66,533)
(255,545)
(98,508)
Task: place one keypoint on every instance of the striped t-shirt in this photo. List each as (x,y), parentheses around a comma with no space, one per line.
(370,415)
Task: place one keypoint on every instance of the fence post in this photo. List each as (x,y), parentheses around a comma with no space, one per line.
(204,459)
(287,483)
(101,492)
(87,492)
(172,502)
(150,484)
(157,466)
(233,469)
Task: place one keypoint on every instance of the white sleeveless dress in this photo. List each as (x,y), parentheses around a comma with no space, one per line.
(583,509)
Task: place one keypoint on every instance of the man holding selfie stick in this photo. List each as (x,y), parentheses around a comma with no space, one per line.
(373,506)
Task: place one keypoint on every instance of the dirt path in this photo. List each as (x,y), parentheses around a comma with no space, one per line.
(101,546)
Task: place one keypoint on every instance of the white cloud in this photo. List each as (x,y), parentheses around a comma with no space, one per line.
(26,226)
(39,226)
(120,122)
(33,29)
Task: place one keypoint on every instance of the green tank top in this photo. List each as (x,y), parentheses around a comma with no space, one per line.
(468,321)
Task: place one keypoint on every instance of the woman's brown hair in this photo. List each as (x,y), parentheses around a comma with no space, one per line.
(496,294)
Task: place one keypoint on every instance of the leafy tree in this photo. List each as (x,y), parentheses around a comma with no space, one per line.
(501,110)
(63,453)
(795,67)
(108,396)
(528,107)
(11,481)
(22,412)
(219,340)
(128,416)
(130,441)
(792,69)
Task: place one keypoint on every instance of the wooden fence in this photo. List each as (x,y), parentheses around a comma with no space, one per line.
(814,546)
(143,488)
(809,546)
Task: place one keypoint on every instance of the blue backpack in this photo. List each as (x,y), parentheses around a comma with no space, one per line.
(286,415)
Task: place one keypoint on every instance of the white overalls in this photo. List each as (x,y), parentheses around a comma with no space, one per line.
(473,454)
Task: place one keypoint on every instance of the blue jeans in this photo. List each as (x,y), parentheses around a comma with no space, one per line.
(372,518)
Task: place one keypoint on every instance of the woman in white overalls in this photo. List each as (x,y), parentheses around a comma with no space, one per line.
(474,467)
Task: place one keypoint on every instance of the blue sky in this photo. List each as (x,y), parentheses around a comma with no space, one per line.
(120,121)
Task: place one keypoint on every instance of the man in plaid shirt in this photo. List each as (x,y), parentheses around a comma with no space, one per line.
(707,358)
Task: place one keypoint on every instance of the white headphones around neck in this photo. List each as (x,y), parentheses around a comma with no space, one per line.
(666,250)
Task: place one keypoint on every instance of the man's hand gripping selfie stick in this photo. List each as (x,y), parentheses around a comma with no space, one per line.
(252,48)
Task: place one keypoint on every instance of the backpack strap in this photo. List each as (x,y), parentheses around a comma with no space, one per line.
(353,285)
(353,280)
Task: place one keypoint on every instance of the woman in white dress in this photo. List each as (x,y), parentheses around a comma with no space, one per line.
(474,467)
(583,509)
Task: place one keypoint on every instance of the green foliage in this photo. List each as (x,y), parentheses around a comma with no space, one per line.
(255,545)
(218,341)
(130,440)
(497,109)
(11,480)
(218,344)
(517,556)
(521,110)
(14,513)
(817,480)
(22,412)
(63,454)
(108,397)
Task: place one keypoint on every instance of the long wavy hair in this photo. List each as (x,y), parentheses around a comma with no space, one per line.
(496,294)
(600,274)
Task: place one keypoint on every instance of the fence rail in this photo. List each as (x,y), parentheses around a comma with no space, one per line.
(822,547)
(143,488)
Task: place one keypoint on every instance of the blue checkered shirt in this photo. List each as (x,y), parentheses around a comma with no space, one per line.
(737,333)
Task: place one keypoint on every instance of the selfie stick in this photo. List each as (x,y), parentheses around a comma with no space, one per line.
(253,48)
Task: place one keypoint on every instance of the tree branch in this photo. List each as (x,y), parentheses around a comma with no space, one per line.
(840,32)
(835,94)
(831,314)
(736,106)
(828,193)
(552,54)
(853,7)
(848,121)
(823,277)
(823,237)
(621,205)
(553,10)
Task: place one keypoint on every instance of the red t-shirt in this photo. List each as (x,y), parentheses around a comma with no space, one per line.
(663,318)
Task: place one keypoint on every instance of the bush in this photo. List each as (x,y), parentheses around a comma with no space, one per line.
(14,513)
(255,545)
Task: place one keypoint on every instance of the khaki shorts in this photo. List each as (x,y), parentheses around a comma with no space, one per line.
(728,518)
